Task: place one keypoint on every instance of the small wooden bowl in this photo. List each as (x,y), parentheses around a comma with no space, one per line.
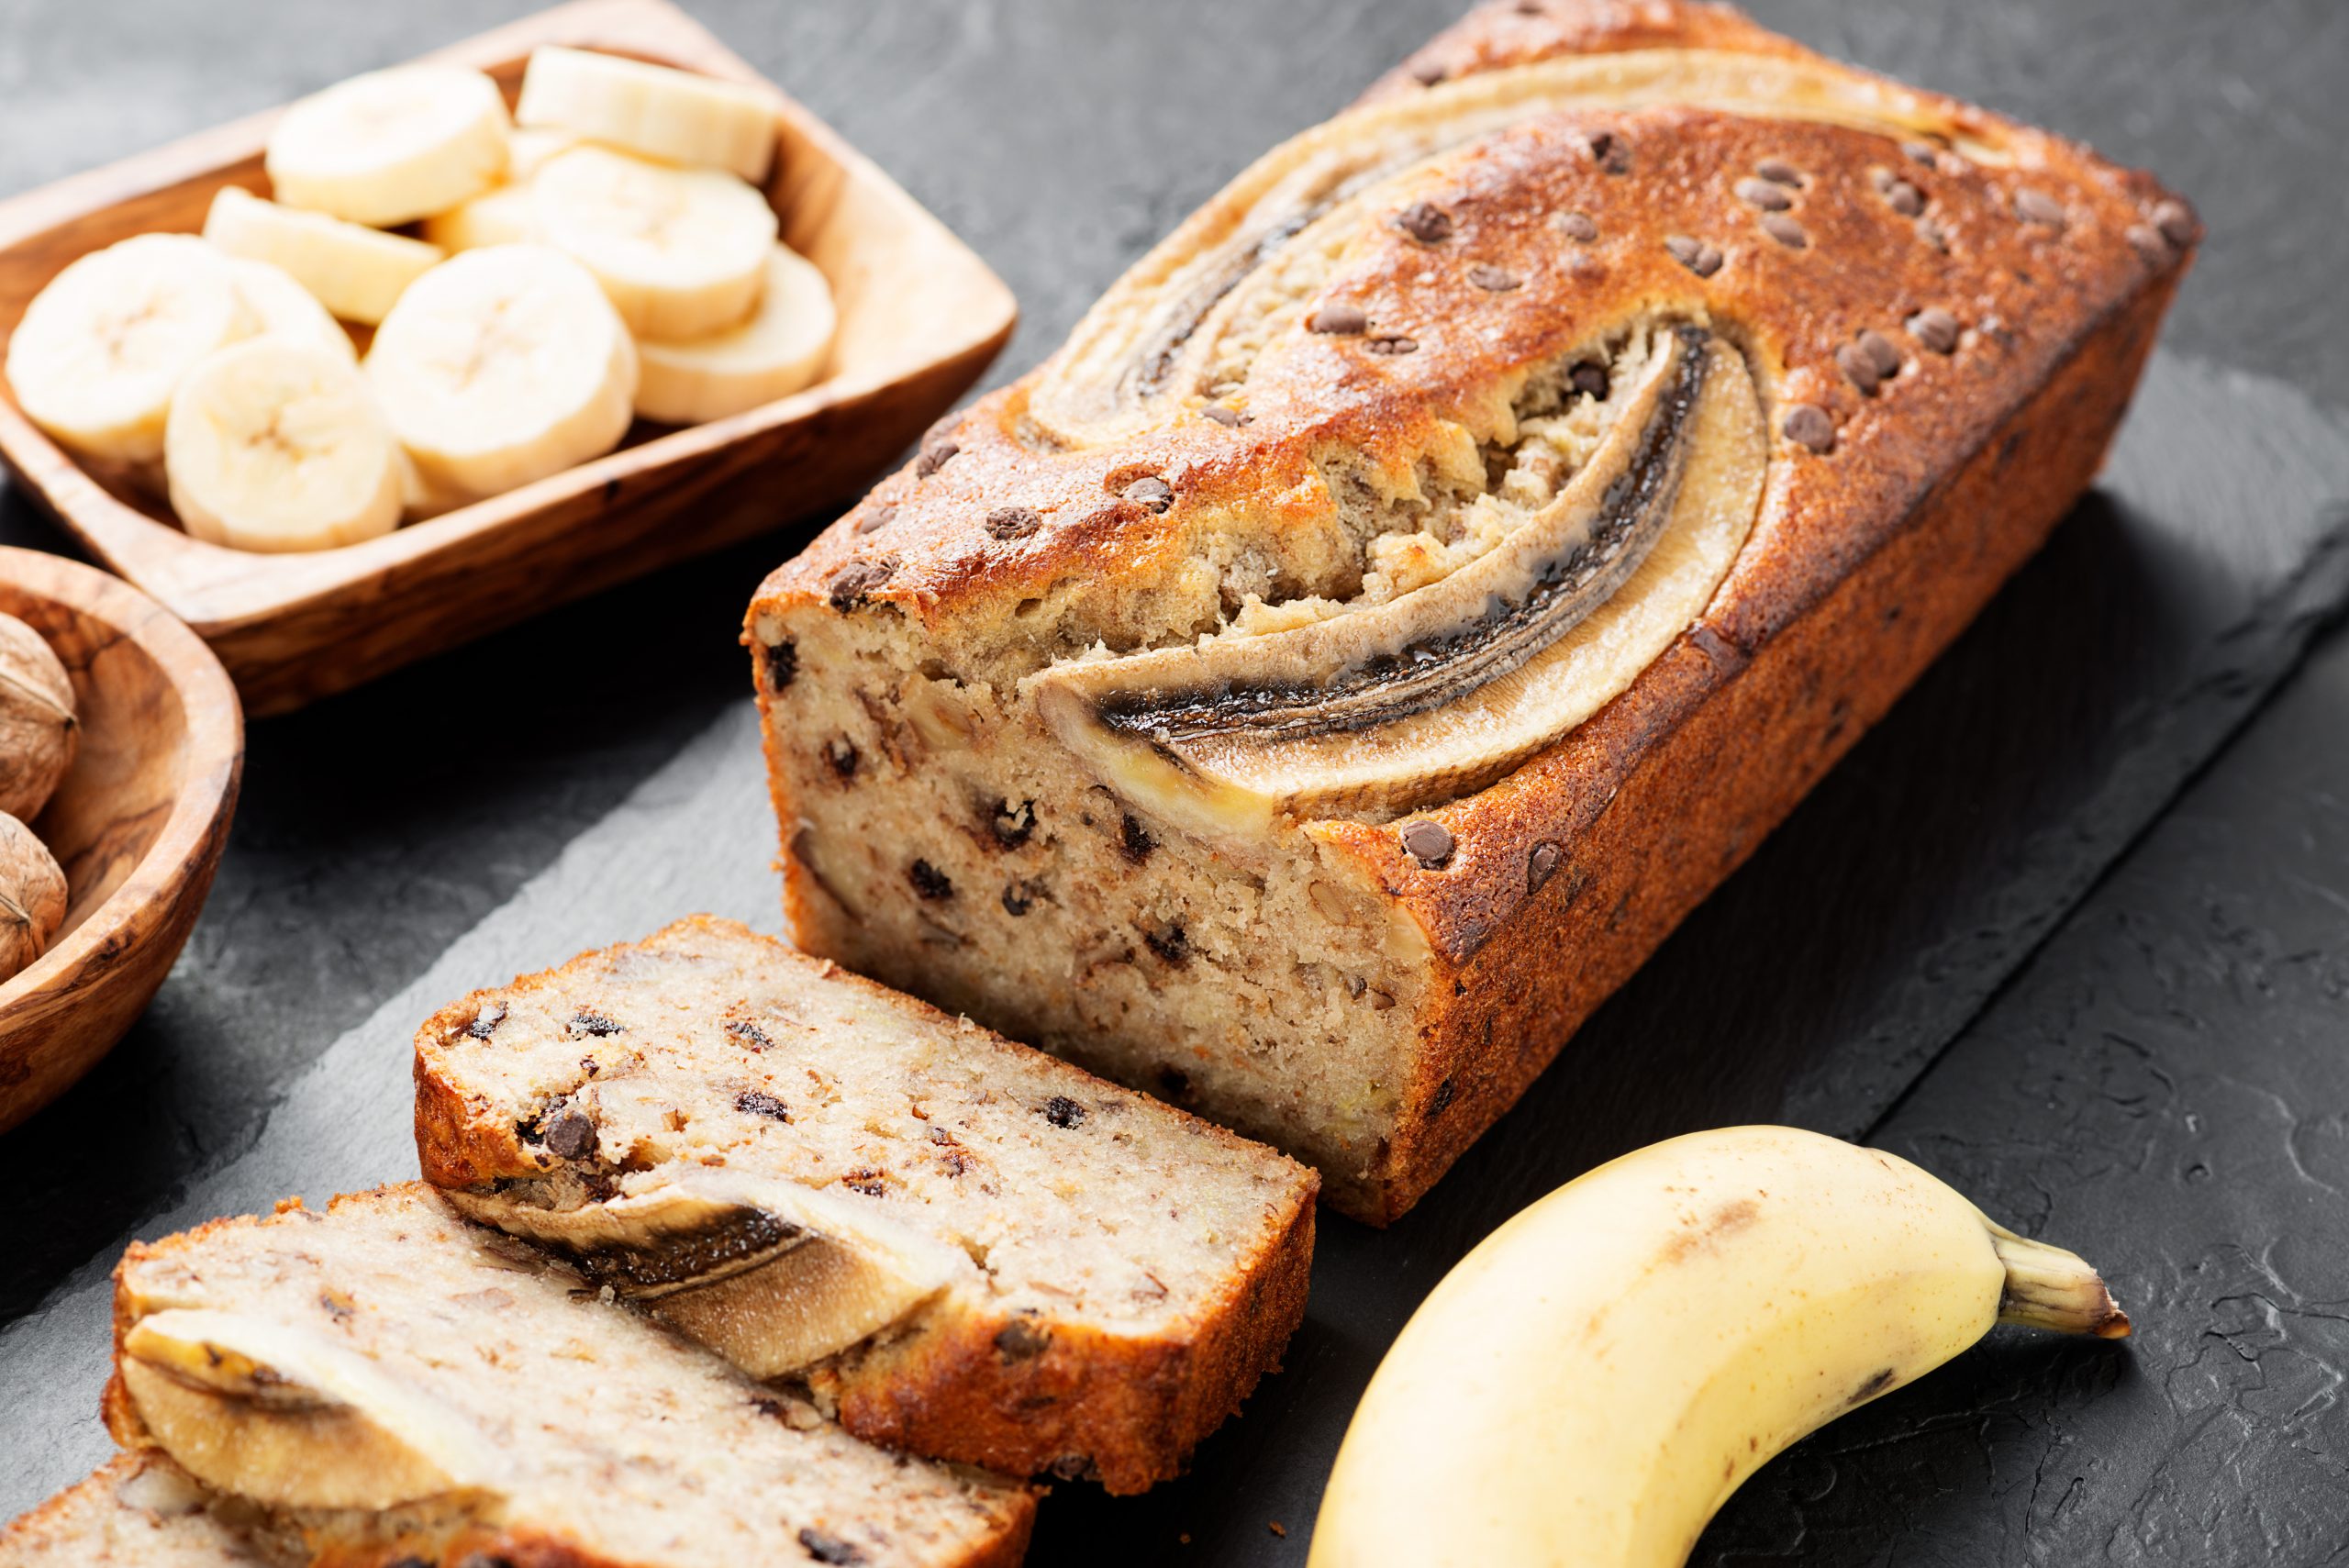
(137,824)
(920,318)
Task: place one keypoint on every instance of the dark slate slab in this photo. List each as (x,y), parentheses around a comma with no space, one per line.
(561,785)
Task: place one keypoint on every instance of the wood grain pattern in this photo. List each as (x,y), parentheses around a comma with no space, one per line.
(920,317)
(137,823)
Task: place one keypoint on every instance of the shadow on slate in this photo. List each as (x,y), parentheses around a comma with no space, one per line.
(1920,872)
(432,796)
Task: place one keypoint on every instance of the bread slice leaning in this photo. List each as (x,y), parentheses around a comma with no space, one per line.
(387,1385)
(137,1510)
(967,1249)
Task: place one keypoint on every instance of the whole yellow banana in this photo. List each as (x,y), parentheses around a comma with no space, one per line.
(1588,1386)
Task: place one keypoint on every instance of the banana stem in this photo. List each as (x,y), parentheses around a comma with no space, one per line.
(2048,1287)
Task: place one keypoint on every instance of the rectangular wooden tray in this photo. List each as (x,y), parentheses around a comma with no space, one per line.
(920,317)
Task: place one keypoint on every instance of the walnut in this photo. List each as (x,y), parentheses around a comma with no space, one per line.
(32,896)
(37,729)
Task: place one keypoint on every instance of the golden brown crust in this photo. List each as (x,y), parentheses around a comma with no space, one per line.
(1126,1409)
(2053,265)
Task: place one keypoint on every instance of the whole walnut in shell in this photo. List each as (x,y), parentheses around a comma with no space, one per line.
(32,895)
(37,729)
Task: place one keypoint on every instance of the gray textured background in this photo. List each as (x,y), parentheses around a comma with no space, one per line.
(2162,1085)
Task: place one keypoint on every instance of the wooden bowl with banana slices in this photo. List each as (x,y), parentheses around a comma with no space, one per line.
(449,343)
(136,824)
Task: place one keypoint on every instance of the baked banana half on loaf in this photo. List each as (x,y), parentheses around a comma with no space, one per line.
(388,1387)
(1435,567)
(965,1247)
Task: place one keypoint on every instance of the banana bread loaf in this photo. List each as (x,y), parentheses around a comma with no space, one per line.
(139,1510)
(396,1387)
(967,1249)
(1434,567)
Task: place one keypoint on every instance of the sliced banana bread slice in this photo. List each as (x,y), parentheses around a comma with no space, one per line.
(137,1510)
(396,1387)
(968,1249)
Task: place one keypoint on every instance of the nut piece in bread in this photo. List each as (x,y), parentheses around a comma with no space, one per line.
(1267,702)
(967,1247)
(316,1365)
(38,731)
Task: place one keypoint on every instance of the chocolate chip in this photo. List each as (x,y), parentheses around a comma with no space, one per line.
(1496,279)
(1441,1100)
(841,755)
(1694,255)
(1018,897)
(1425,222)
(1013,522)
(2149,243)
(1151,492)
(866,1180)
(1610,152)
(1933,234)
(1858,368)
(1778,172)
(1577,226)
(877,519)
(2037,206)
(485,1023)
(1589,376)
(1012,824)
(752,1102)
(1785,230)
(830,1549)
(1392,344)
(1022,1339)
(1062,1111)
(783,664)
(1227,416)
(851,587)
(1767,195)
(1936,328)
(2175,220)
(1903,198)
(1809,425)
(749,1034)
(1337,319)
(1135,839)
(1427,74)
(1880,352)
(935,456)
(930,882)
(595,1025)
(1542,866)
(571,1134)
(1172,945)
(1919,152)
(1428,841)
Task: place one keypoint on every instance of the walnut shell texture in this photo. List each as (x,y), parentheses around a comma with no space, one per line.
(32,895)
(38,730)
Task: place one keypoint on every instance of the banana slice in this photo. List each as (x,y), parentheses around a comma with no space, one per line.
(355,273)
(266,1411)
(675,115)
(281,307)
(503,215)
(391,145)
(530,148)
(1435,693)
(778,350)
(681,252)
(501,366)
(771,1275)
(103,347)
(275,445)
